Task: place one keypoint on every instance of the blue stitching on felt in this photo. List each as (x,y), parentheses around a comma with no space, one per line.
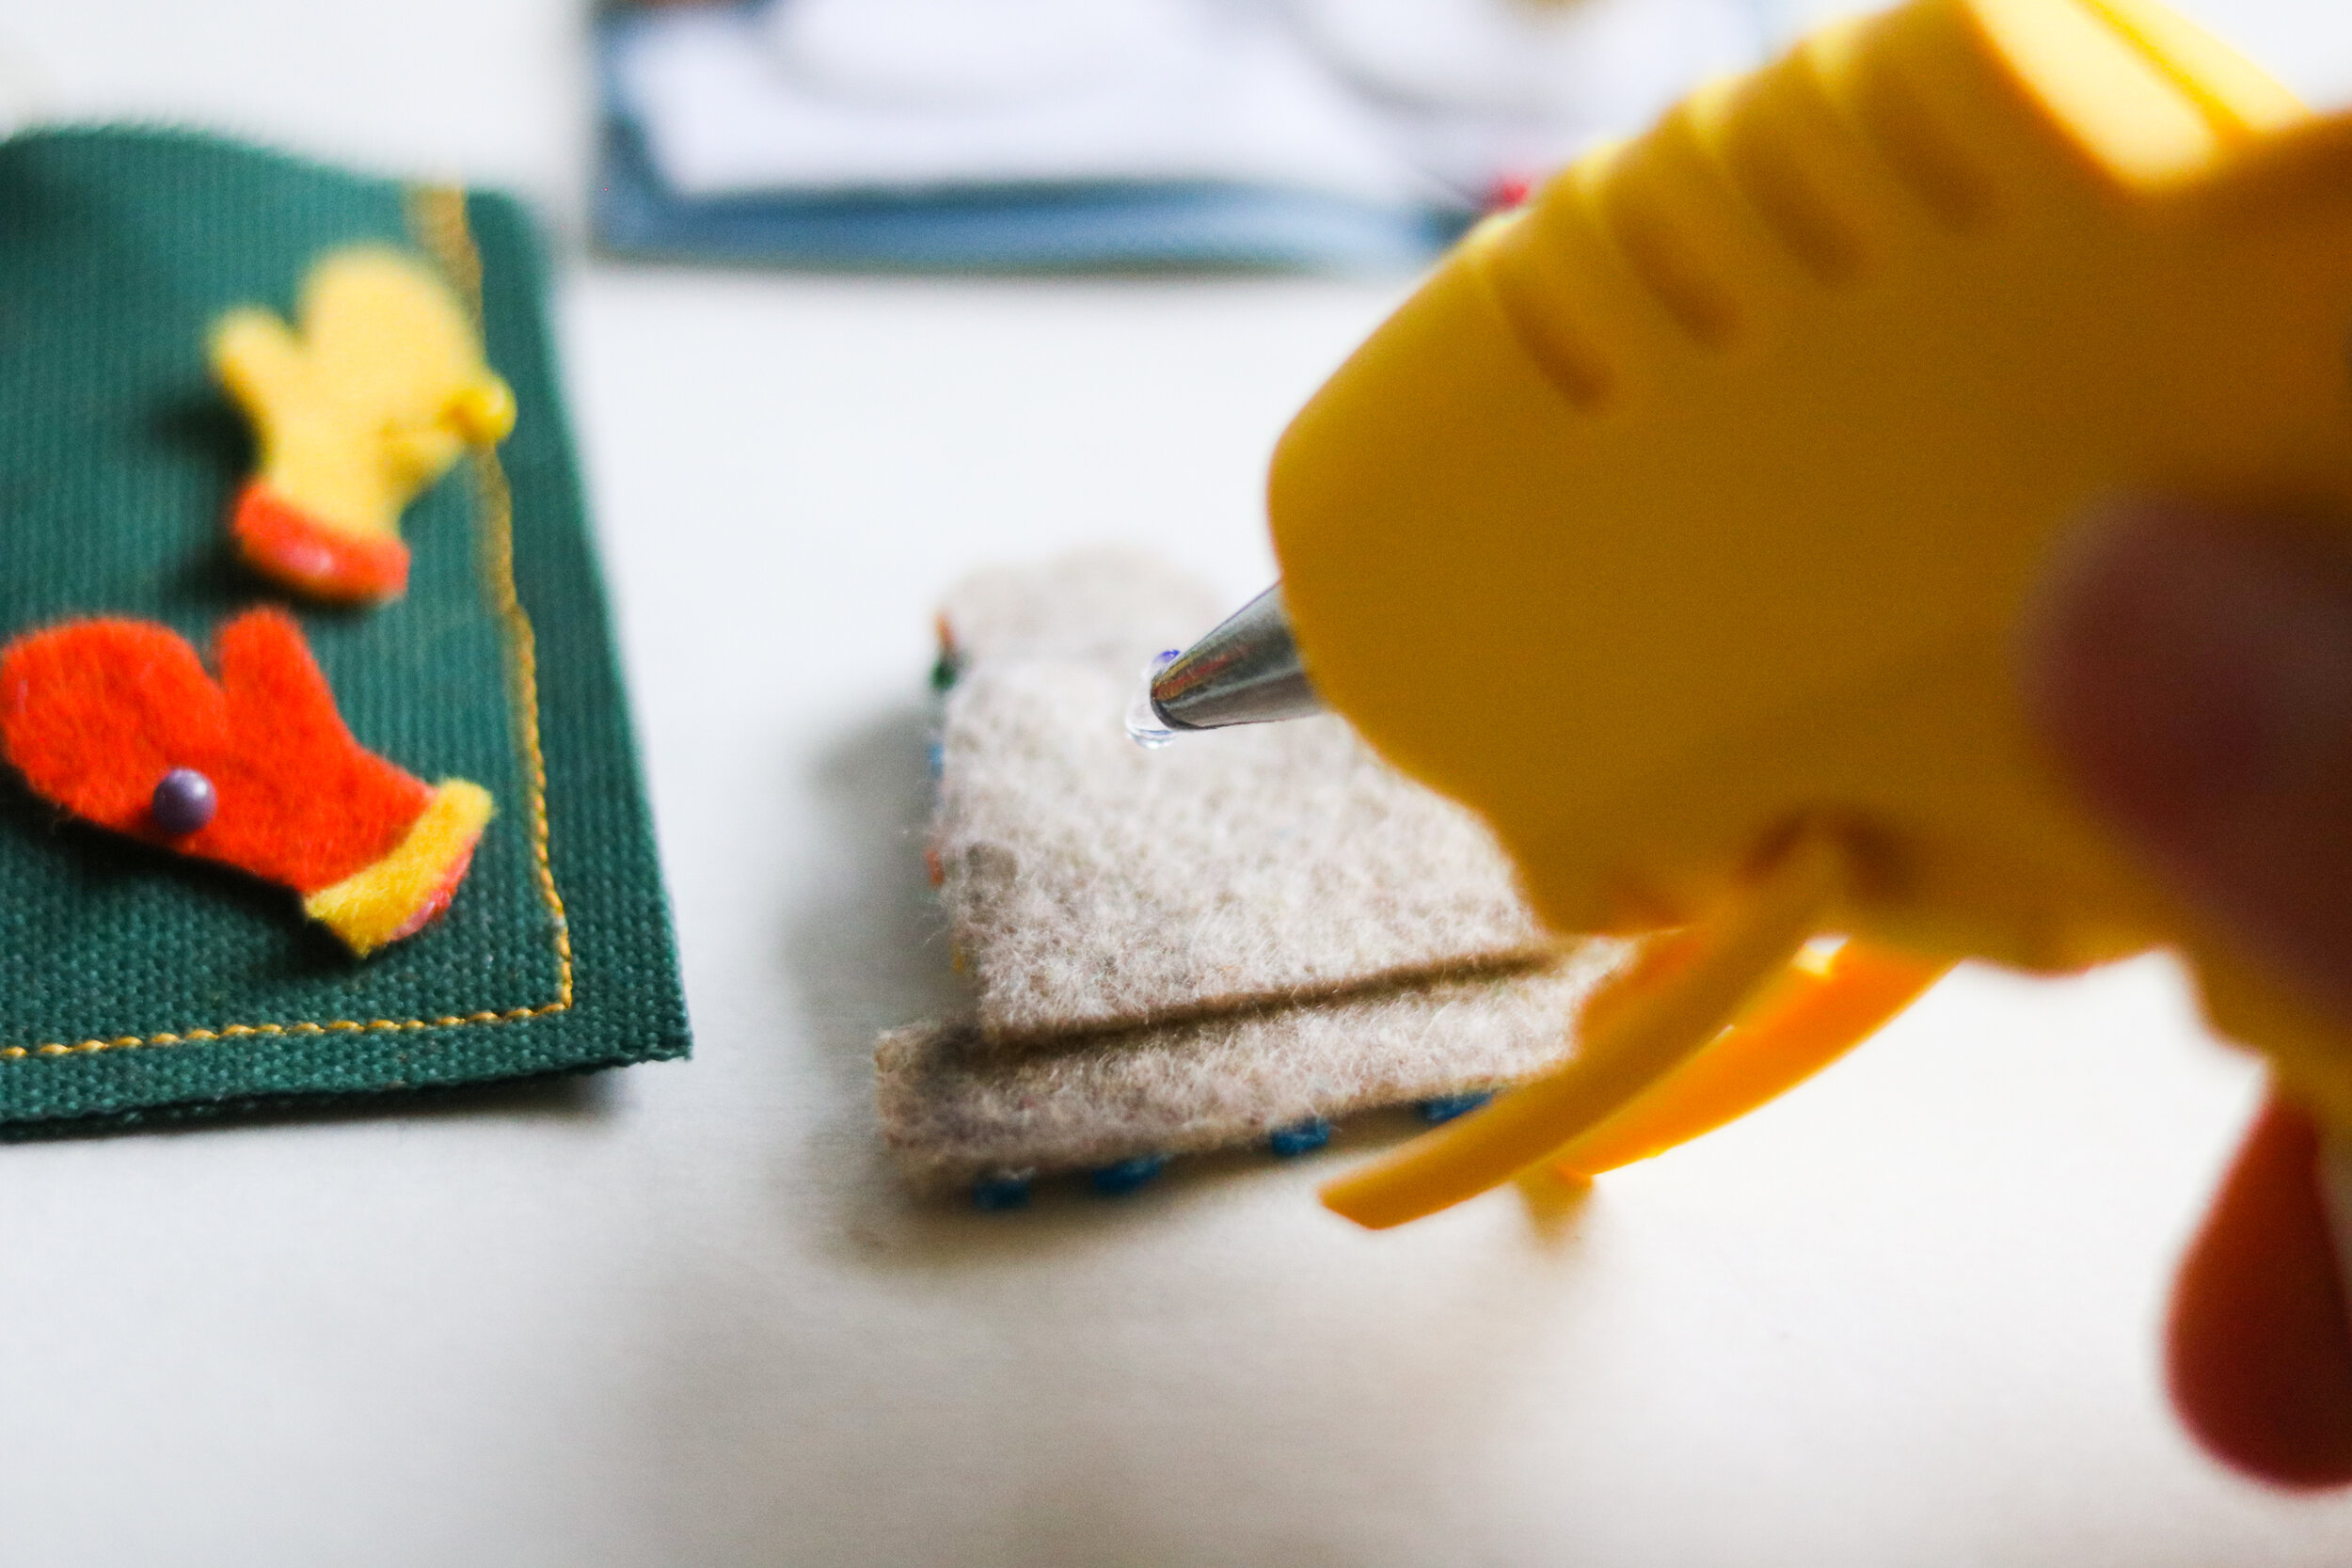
(1299,1137)
(995,1195)
(1446,1107)
(1128,1176)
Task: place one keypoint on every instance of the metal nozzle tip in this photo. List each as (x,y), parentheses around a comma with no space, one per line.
(1246,672)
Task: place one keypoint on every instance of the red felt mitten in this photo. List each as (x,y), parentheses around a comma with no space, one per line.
(99,715)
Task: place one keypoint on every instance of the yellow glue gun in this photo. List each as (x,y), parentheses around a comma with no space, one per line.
(1679,524)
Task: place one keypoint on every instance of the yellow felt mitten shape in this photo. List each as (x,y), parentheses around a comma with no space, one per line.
(368,398)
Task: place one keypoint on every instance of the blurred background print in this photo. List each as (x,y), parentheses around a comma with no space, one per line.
(1006,135)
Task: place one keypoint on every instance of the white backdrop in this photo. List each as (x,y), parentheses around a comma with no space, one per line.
(682,1315)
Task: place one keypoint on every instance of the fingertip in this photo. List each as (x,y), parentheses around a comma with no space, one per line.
(2144,664)
(2259,1347)
(2189,672)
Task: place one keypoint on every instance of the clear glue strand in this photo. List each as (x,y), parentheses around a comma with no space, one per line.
(1143,725)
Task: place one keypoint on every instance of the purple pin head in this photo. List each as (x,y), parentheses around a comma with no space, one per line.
(183,802)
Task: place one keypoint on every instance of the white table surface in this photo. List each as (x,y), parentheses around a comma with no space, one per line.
(683,1316)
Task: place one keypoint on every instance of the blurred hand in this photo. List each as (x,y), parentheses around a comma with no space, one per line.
(2194,673)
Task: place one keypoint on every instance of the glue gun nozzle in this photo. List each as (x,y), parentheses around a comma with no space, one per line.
(1246,672)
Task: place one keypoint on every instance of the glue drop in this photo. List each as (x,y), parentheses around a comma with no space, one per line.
(1143,725)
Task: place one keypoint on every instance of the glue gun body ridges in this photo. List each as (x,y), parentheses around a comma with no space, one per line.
(1701,496)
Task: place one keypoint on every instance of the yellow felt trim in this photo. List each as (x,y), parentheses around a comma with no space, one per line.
(1641,1039)
(371,906)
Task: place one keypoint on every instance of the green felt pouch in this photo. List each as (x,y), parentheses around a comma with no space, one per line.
(134,984)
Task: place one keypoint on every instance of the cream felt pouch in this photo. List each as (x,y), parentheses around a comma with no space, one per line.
(1196,947)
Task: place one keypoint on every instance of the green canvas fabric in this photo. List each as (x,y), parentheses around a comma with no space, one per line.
(134,984)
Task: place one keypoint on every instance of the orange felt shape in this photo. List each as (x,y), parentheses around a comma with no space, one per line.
(282,542)
(96,712)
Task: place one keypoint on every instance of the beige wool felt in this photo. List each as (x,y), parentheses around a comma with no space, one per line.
(1193,947)
(955,1109)
(1091,884)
